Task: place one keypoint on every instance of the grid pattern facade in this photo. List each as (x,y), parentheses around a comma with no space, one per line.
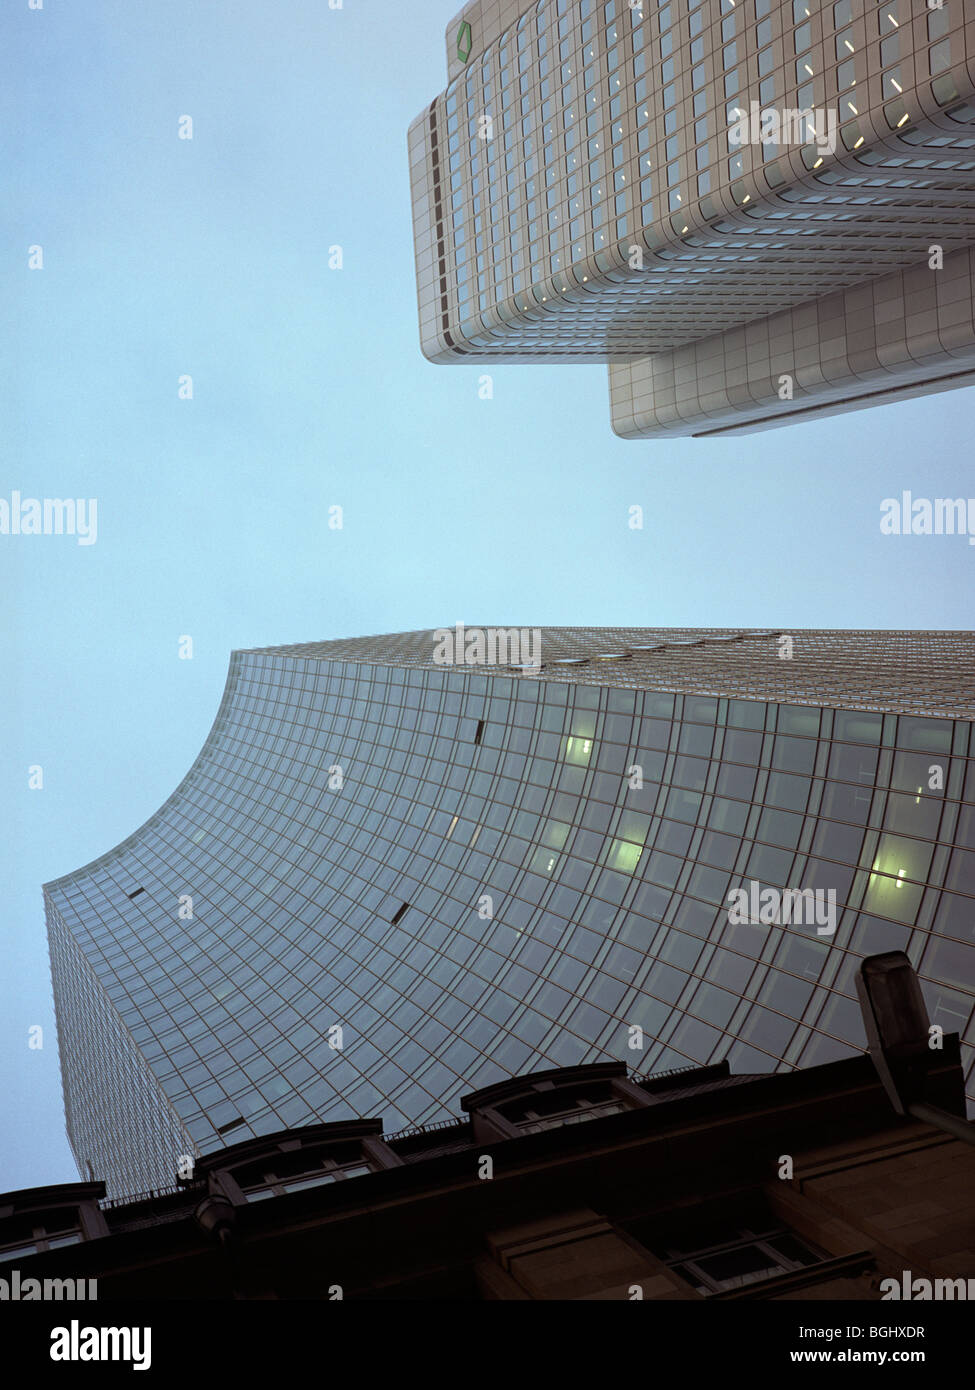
(119,1123)
(925,673)
(487,889)
(587,131)
(905,334)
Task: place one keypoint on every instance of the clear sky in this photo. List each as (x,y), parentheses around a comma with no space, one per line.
(209,257)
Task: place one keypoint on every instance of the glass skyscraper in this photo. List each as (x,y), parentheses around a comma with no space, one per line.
(753,210)
(388,881)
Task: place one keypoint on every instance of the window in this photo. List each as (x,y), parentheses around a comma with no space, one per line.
(720,1254)
(940,56)
(282,1173)
(29,1236)
(535,1116)
(578,751)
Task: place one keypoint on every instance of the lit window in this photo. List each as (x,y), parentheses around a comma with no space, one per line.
(578,751)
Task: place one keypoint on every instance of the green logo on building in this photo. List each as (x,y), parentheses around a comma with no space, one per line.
(465,41)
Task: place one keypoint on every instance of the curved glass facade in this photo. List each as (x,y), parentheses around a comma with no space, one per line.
(385,883)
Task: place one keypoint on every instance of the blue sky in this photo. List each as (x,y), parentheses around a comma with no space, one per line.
(210,257)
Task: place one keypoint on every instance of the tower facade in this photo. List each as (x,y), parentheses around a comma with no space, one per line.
(395,874)
(754,210)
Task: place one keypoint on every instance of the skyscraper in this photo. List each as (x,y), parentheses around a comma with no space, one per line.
(392,877)
(754,210)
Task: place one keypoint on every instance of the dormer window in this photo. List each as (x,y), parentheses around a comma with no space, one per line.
(552,1100)
(31,1234)
(276,1165)
(533,1116)
(38,1219)
(283,1172)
